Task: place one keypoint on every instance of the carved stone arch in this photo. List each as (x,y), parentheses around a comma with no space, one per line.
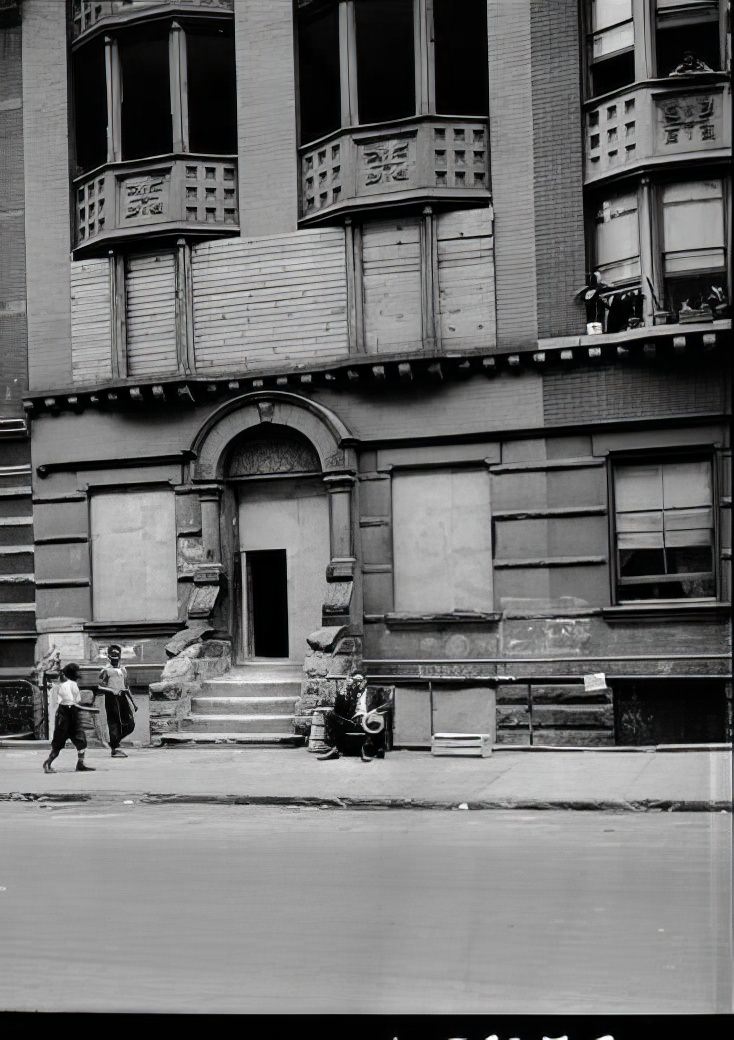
(328,434)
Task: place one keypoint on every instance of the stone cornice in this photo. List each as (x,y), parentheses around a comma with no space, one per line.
(374,372)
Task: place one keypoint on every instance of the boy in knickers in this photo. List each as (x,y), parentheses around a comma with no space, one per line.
(68,721)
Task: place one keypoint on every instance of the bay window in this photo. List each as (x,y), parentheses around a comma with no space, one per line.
(693,246)
(362,62)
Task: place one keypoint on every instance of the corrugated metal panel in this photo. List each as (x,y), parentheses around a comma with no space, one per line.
(392,286)
(466,279)
(150,308)
(270,300)
(91,321)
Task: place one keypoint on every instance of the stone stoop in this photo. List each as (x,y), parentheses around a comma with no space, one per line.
(251,704)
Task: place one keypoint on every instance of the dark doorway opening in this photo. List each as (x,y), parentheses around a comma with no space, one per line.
(267,599)
(671,711)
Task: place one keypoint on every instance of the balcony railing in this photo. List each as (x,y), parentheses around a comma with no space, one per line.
(655,122)
(171,193)
(434,157)
(87,13)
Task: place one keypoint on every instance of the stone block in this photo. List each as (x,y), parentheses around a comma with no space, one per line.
(340,666)
(347,646)
(316,665)
(192,633)
(338,597)
(325,638)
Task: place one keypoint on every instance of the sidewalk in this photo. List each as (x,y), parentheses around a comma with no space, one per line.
(686,780)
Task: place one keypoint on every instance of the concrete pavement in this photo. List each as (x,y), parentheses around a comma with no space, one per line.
(632,780)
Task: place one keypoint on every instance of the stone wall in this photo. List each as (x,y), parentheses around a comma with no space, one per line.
(332,655)
(195,656)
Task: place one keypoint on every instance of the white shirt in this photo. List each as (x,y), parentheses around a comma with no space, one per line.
(68,692)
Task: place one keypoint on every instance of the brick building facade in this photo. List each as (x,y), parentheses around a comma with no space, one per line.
(311,384)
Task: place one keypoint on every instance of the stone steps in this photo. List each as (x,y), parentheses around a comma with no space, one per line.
(238,723)
(239,739)
(244,705)
(255,688)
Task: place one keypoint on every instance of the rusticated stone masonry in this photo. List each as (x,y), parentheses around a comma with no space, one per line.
(196,657)
(333,654)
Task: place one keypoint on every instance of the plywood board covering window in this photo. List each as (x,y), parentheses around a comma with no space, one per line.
(150,307)
(442,541)
(134,555)
(617,237)
(392,286)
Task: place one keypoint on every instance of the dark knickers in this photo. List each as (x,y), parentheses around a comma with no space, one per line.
(68,726)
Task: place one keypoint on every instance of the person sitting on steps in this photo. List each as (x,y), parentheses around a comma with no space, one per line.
(350,712)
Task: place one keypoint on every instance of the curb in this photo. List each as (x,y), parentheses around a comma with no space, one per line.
(334,802)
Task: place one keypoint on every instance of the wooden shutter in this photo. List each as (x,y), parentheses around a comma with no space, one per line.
(150,307)
(466,279)
(91,321)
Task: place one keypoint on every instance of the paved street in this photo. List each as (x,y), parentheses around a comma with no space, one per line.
(123,907)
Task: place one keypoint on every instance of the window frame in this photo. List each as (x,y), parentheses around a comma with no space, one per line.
(424,69)
(663,456)
(176,32)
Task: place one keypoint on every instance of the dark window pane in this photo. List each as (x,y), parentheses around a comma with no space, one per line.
(634,563)
(460,34)
(318,71)
(695,588)
(675,41)
(611,73)
(688,559)
(211,90)
(692,292)
(385,60)
(90,105)
(146,96)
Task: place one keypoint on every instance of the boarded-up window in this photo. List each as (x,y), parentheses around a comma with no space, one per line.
(392,286)
(442,541)
(617,239)
(150,308)
(466,278)
(134,555)
(91,321)
(665,530)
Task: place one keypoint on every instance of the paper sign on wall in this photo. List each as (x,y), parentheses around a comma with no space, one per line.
(595,681)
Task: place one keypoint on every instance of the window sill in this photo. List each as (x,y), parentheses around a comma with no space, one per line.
(146,629)
(667,611)
(469,617)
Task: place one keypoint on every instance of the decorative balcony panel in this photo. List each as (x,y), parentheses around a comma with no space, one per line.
(173,193)
(88,13)
(426,157)
(655,122)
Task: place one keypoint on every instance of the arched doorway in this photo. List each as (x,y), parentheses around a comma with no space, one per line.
(276,474)
(283,548)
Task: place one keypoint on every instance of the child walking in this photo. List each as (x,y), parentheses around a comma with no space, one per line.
(119,704)
(68,721)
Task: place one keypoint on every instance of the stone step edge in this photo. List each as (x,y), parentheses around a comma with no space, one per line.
(231,717)
(230,738)
(249,700)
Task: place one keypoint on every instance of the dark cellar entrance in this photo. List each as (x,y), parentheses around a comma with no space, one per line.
(670,711)
(267,595)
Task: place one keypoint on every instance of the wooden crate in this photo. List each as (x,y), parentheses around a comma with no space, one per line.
(475,745)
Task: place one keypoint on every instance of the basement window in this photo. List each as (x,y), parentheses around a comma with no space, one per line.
(611,45)
(664,530)
(90,106)
(460,47)
(146,95)
(385,59)
(212,96)
(687,27)
(318,70)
